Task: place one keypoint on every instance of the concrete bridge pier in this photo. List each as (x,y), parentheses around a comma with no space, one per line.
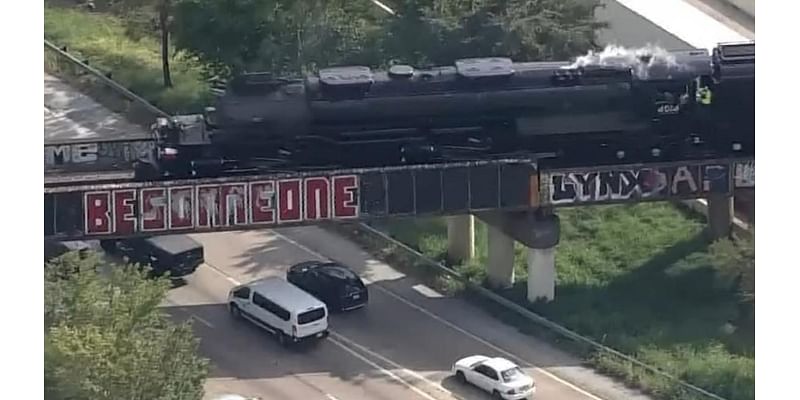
(720,215)
(538,230)
(541,274)
(460,238)
(500,263)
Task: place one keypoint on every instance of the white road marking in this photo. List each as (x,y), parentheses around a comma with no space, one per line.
(359,356)
(203,321)
(394,364)
(455,327)
(383,370)
(330,396)
(222,273)
(427,291)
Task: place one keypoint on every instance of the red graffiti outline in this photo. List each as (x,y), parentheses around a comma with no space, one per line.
(192,208)
(273,209)
(299,195)
(353,190)
(164,194)
(109,212)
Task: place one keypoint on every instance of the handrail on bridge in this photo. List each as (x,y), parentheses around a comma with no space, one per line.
(108,81)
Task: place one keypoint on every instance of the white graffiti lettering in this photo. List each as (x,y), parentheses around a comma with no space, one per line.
(573,187)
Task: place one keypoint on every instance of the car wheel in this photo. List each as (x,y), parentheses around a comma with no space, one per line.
(235,311)
(496,395)
(460,377)
(282,339)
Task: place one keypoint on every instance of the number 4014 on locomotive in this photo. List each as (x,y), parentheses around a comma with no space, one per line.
(676,105)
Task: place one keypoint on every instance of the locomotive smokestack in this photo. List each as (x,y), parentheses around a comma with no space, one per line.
(640,60)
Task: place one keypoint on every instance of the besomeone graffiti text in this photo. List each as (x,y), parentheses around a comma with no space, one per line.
(220,205)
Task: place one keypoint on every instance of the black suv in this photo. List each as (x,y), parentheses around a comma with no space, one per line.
(336,285)
(178,255)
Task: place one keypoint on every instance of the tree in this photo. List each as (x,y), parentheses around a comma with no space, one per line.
(285,36)
(282,36)
(106,338)
(439,31)
(142,17)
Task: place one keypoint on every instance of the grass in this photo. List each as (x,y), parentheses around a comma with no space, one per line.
(636,278)
(633,277)
(136,64)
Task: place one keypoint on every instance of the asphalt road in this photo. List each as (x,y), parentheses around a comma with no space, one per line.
(400,347)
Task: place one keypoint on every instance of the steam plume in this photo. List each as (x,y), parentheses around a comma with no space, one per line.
(640,60)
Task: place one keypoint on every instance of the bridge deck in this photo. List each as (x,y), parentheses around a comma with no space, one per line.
(667,23)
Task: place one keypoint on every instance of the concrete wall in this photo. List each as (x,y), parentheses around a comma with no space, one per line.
(748,6)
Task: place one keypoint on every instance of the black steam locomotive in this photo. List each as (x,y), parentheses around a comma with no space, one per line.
(681,105)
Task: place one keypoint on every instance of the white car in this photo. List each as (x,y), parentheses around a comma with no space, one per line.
(498,376)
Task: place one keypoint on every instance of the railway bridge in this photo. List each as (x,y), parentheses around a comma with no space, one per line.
(89,193)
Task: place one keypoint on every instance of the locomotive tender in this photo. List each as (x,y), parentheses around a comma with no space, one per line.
(677,105)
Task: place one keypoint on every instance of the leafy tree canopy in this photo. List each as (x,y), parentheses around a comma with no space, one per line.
(106,338)
(286,36)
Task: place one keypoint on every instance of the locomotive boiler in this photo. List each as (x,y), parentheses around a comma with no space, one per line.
(670,105)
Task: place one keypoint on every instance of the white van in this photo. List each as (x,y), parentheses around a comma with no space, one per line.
(281,308)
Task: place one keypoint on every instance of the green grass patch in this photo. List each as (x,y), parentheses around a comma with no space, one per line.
(636,278)
(136,64)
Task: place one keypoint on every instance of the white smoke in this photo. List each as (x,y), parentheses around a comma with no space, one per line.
(640,60)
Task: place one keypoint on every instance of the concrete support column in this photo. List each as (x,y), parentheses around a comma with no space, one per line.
(541,274)
(500,268)
(720,215)
(460,238)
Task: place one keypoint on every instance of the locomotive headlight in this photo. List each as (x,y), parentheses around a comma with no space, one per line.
(620,154)
(737,147)
(209,116)
(655,151)
(169,153)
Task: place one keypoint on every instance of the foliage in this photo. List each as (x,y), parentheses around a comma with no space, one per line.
(106,338)
(285,36)
(641,279)
(439,31)
(275,35)
(102,39)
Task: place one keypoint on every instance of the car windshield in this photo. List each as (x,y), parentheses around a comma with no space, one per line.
(311,316)
(343,274)
(512,374)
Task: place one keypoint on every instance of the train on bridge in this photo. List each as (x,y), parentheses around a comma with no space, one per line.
(657,106)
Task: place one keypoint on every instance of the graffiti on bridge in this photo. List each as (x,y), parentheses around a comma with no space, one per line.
(219,204)
(95,153)
(634,183)
(259,203)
